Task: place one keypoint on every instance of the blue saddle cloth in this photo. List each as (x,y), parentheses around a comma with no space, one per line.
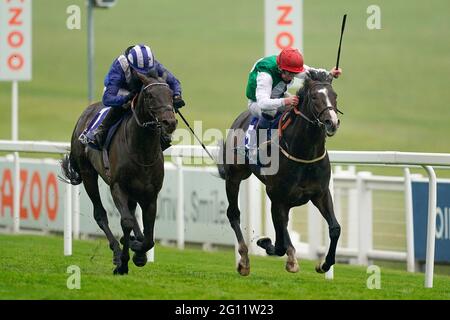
(87,137)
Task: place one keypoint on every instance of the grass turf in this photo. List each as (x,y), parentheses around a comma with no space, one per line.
(33,267)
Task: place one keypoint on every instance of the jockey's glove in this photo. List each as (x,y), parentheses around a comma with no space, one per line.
(130,96)
(178,102)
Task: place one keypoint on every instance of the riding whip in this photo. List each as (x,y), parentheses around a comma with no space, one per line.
(187,124)
(340,40)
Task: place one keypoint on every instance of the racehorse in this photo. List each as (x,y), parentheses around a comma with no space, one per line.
(136,170)
(303,170)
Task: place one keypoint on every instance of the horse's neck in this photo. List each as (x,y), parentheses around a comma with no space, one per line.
(303,139)
(142,140)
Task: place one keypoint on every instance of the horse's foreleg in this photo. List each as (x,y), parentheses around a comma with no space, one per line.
(148,217)
(136,240)
(136,229)
(325,205)
(233,214)
(127,223)
(283,244)
(90,184)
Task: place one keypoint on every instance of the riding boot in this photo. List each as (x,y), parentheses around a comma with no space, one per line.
(251,144)
(101,132)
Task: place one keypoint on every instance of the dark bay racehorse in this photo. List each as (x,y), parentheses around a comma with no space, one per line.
(303,173)
(136,168)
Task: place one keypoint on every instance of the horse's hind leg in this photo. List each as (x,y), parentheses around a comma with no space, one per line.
(325,205)
(127,223)
(90,177)
(233,214)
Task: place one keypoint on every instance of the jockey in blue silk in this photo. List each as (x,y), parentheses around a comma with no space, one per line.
(122,84)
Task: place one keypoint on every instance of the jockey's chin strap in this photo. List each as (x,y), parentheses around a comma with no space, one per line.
(153,124)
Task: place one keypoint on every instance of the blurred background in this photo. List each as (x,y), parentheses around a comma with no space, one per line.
(393,90)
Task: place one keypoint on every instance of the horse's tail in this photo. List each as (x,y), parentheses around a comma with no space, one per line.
(221,156)
(70,170)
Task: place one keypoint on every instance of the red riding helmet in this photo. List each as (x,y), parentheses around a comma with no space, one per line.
(291,60)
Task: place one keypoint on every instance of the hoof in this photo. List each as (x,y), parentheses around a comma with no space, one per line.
(320,268)
(139,260)
(292,267)
(122,270)
(243,271)
(267,245)
(264,242)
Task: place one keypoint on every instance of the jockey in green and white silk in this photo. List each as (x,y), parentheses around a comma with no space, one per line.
(271,77)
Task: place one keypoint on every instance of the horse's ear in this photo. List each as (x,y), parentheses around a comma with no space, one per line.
(308,80)
(330,78)
(153,73)
(164,76)
(143,78)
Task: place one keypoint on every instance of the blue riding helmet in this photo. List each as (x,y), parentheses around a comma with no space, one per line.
(140,58)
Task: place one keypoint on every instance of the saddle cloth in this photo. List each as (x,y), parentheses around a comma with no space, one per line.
(87,136)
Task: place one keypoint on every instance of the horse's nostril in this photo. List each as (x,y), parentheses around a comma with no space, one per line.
(171,124)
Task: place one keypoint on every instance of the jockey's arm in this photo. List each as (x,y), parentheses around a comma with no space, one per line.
(173,82)
(263,95)
(114,81)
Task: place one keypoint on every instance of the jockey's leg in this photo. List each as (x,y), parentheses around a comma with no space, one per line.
(100,133)
(251,140)
(265,116)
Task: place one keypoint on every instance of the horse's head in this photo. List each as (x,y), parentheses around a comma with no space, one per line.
(319,102)
(156,99)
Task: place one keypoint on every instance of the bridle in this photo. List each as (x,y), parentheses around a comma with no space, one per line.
(152,124)
(316,121)
(316,117)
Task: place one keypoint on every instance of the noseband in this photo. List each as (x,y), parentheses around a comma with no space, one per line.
(153,124)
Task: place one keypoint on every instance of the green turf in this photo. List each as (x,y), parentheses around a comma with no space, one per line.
(393,91)
(33,267)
